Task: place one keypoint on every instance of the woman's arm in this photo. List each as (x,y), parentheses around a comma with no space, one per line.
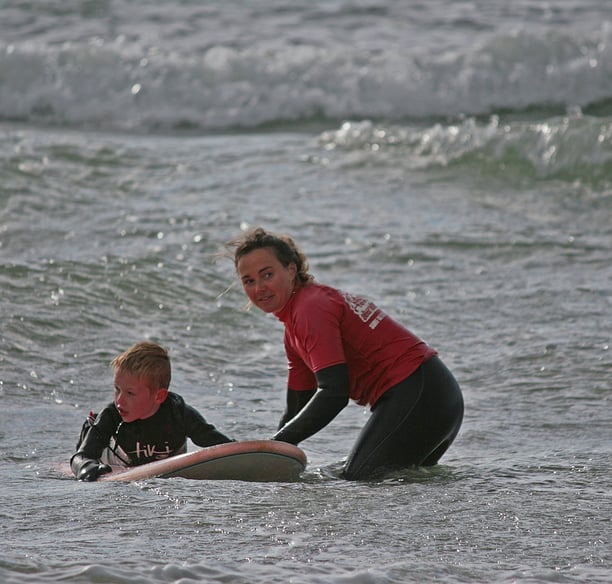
(296,400)
(326,403)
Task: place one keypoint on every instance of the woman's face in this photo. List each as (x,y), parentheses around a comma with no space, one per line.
(267,283)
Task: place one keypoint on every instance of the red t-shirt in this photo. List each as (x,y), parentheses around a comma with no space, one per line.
(325,326)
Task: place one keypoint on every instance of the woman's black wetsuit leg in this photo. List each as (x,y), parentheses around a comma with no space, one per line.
(412,424)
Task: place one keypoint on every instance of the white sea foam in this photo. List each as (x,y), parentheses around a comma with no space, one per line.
(193,68)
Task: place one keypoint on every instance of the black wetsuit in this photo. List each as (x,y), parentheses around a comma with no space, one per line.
(412,424)
(106,437)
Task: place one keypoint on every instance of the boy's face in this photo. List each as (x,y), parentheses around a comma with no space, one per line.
(133,398)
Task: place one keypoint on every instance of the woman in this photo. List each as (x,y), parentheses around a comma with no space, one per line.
(341,346)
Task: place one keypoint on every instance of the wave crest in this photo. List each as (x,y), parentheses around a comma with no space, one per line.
(121,85)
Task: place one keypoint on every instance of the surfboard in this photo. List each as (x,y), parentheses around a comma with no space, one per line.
(254,460)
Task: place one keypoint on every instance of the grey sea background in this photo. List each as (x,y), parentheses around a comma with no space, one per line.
(452,161)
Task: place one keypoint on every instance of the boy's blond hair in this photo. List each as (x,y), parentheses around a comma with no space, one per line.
(148,360)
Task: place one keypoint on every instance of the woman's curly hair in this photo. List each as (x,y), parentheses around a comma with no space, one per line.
(285,250)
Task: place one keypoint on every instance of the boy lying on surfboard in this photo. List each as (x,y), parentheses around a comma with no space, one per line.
(144,422)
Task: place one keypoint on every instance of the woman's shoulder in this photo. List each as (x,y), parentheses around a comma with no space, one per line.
(317,302)
(315,292)
(318,297)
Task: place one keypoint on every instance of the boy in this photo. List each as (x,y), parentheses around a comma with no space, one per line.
(145,422)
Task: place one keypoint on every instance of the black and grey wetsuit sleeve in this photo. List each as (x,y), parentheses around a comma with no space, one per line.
(200,431)
(316,408)
(94,442)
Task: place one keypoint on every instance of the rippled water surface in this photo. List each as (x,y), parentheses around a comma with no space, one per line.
(478,216)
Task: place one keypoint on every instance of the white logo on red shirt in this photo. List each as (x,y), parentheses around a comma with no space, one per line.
(364,309)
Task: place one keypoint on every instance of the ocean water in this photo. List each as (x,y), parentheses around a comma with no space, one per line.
(450,160)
